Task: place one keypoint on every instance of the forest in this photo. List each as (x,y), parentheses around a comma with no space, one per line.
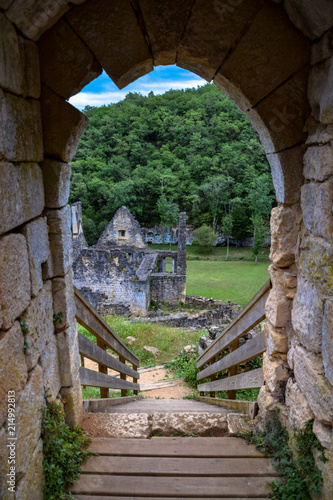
(186,150)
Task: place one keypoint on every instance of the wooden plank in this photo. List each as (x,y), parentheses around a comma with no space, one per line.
(88,317)
(252,379)
(249,407)
(175,447)
(91,351)
(113,497)
(247,351)
(97,379)
(103,369)
(243,487)
(150,466)
(233,369)
(253,314)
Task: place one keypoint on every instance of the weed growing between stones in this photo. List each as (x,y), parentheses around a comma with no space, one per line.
(64,452)
(301,478)
(186,367)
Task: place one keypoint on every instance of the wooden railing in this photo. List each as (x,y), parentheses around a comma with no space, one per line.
(88,317)
(248,318)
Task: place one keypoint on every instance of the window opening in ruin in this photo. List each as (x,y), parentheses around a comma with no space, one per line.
(121,233)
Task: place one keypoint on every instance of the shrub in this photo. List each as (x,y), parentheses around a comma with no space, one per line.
(186,367)
(205,238)
(63,450)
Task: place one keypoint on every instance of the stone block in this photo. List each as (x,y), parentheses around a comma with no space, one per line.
(318,162)
(18,204)
(326,469)
(277,341)
(276,375)
(203,48)
(267,403)
(36,235)
(270,37)
(50,363)
(323,433)
(322,49)
(316,263)
(63,126)
(320,91)
(307,315)
(4,467)
(202,424)
(21,128)
(278,307)
(124,53)
(327,345)
(73,404)
(310,376)
(11,66)
(60,237)
(31,68)
(69,358)
(299,411)
(317,202)
(34,18)
(29,413)
(279,119)
(34,479)
(285,227)
(312,18)
(287,173)
(165,24)
(13,370)
(56,177)
(4,4)
(54,70)
(128,425)
(39,318)
(238,423)
(63,300)
(14,278)
(318,133)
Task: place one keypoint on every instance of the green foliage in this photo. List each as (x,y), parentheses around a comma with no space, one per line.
(26,346)
(260,228)
(204,238)
(24,326)
(57,318)
(186,367)
(63,451)
(191,146)
(301,476)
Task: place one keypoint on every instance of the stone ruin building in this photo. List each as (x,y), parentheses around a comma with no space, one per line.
(119,274)
(275,61)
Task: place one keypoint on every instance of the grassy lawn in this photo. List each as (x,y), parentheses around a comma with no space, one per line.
(235,281)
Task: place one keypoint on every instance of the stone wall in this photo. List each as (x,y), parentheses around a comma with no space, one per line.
(122,231)
(37,358)
(168,287)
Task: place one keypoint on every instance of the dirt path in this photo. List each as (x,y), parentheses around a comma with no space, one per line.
(165,387)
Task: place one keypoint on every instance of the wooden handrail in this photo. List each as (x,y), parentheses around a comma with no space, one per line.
(249,317)
(88,317)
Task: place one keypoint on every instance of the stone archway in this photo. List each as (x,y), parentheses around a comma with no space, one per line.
(276,64)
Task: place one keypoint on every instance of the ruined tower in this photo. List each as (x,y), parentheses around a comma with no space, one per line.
(181,260)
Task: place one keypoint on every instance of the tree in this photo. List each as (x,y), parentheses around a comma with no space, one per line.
(216,193)
(169,213)
(227,230)
(259,227)
(205,238)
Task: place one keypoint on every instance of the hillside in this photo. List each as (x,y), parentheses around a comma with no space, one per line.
(193,149)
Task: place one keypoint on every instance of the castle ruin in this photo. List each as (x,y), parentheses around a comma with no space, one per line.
(119,275)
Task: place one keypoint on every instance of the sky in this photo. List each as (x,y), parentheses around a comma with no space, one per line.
(104,91)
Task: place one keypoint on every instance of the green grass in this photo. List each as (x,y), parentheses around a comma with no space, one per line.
(235,281)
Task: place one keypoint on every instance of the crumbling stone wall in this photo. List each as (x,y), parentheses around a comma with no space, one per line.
(122,231)
(79,241)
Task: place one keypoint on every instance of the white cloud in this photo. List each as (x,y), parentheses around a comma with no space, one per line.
(111,96)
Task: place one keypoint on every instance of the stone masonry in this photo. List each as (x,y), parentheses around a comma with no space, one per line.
(48,52)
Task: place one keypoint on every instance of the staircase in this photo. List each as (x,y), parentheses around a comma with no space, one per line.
(174,468)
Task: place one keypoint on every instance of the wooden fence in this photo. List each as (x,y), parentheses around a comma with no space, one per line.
(88,317)
(210,363)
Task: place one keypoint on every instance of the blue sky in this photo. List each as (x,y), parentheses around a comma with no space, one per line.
(104,91)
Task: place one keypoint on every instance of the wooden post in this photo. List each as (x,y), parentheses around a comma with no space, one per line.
(123,377)
(233,370)
(82,364)
(201,393)
(212,378)
(103,369)
(135,380)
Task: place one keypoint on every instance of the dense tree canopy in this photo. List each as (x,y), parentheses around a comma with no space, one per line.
(192,146)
